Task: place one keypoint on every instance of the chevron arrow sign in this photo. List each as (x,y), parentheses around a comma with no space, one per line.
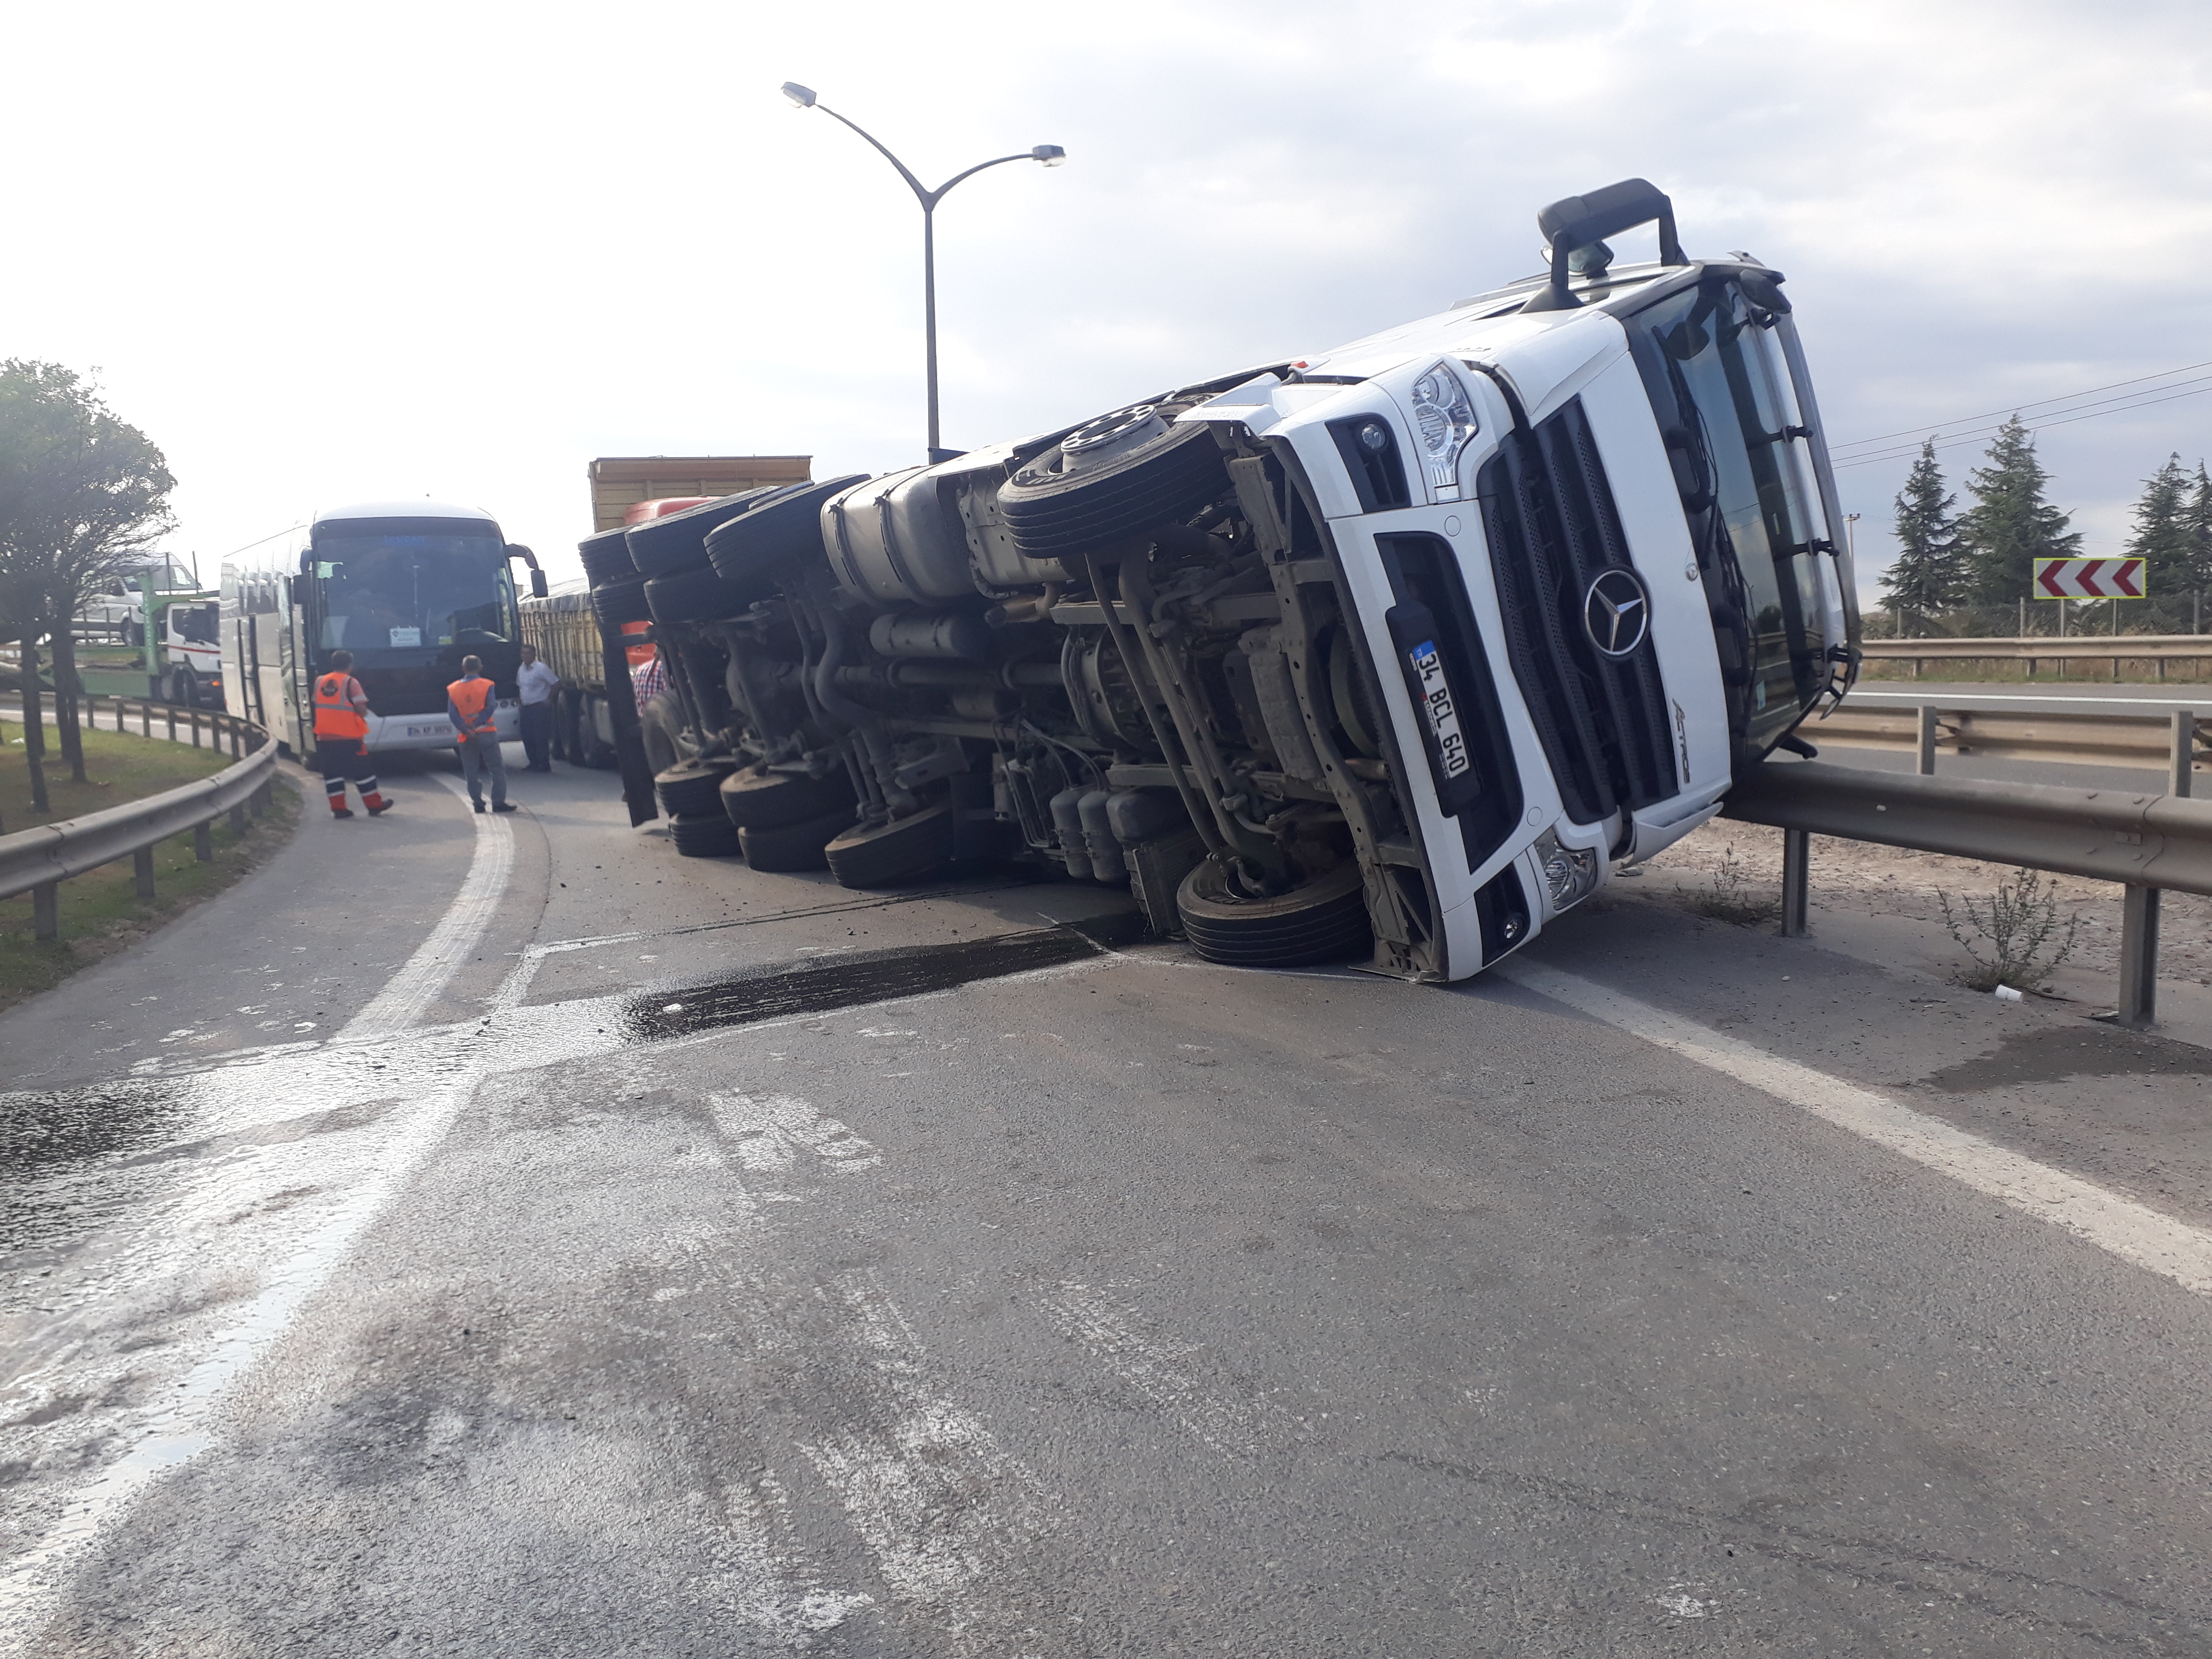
(2088,579)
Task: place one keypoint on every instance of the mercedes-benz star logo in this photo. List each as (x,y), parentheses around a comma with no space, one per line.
(1616,612)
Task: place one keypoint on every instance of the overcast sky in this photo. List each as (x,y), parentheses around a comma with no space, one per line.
(457,250)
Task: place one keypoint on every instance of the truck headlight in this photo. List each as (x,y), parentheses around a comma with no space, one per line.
(1570,873)
(1444,416)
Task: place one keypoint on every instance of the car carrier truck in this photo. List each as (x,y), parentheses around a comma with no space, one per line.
(1388,652)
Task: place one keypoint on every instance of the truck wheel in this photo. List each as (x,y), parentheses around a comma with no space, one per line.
(754,799)
(595,753)
(1119,476)
(692,789)
(677,541)
(776,528)
(694,596)
(606,556)
(905,849)
(619,602)
(1324,921)
(703,836)
(795,845)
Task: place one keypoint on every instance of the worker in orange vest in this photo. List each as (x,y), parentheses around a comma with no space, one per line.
(341,737)
(473,708)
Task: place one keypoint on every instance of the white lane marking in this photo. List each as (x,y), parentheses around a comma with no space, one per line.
(408,994)
(1153,1368)
(180,1430)
(2134,1232)
(941,1508)
(768,1130)
(761,1555)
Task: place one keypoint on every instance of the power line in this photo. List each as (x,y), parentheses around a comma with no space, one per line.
(2072,412)
(1992,414)
(1900,454)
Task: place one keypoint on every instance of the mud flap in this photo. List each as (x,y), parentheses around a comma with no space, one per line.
(630,742)
(1156,870)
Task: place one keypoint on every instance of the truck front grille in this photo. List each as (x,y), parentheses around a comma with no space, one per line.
(1552,526)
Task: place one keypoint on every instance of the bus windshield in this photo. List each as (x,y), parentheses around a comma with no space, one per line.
(405,593)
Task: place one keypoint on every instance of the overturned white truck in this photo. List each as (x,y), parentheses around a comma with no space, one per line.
(1386,653)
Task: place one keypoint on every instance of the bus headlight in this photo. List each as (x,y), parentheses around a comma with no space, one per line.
(1570,873)
(1444,416)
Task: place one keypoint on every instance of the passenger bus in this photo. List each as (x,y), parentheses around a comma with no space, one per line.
(408,587)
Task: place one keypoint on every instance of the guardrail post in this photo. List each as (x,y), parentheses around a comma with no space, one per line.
(1796,882)
(237,822)
(196,727)
(172,713)
(142,868)
(2139,958)
(45,910)
(2183,766)
(146,720)
(1928,734)
(203,842)
(237,743)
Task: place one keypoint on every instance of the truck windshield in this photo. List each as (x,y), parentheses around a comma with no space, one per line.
(1718,365)
(194,625)
(386,593)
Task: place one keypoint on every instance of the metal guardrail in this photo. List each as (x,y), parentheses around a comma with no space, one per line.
(2035,650)
(2146,842)
(39,861)
(2137,731)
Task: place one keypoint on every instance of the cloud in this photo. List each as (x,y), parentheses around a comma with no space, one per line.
(459,250)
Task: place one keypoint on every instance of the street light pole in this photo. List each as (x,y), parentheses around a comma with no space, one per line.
(1050,155)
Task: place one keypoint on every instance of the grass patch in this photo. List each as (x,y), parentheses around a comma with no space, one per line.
(99,911)
(1730,896)
(119,766)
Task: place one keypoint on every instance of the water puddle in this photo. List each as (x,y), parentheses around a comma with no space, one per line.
(780,991)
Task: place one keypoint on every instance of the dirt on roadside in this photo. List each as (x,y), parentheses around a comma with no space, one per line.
(1851,877)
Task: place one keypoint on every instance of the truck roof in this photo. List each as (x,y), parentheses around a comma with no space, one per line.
(402,510)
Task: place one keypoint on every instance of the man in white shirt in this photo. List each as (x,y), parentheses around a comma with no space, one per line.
(536,682)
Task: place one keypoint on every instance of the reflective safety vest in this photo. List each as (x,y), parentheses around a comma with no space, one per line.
(473,699)
(335,713)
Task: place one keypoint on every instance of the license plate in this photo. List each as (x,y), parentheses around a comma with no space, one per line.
(1438,708)
(443,729)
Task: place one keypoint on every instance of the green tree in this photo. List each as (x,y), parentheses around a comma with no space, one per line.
(2161,531)
(2010,525)
(2195,572)
(1929,571)
(83,496)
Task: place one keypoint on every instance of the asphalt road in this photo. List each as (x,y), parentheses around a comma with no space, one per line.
(494,1237)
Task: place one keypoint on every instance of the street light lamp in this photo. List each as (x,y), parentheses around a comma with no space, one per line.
(1050,155)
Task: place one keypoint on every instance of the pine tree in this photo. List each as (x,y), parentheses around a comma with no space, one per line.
(2195,572)
(1929,571)
(2161,532)
(2010,525)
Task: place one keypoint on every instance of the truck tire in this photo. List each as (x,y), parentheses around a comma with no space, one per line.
(620,602)
(591,750)
(661,547)
(691,596)
(1055,513)
(1324,921)
(659,724)
(754,799)
(606,557)
(692,789)
(792,846)
(704,836)
(905,849)
(775,529)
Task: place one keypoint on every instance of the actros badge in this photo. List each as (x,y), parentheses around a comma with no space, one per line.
(1616,612)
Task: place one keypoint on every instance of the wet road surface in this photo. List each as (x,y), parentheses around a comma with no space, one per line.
(662,1259)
